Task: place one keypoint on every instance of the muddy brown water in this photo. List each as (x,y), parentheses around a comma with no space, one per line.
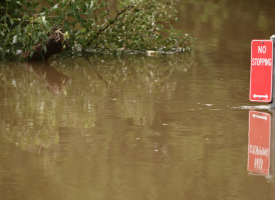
(166,127)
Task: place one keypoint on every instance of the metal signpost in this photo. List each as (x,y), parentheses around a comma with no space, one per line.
(259,142)
(261,71)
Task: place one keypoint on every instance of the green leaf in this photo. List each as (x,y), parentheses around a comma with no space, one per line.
(29,29)
(43,20)
(44,47)
(39,35)
(80,41)
(47,28)
(90,13)
(25,17)
(84,7)
(73,23)
(92,4)
(23,35)
(2,26)
(17,29)
(3,18)
(14,39)
(33,36)
(55,6)
(11,20)
(7,38)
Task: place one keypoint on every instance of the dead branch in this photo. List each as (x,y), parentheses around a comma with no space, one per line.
(55,45)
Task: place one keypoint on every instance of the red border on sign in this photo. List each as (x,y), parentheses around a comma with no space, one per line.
(271,78)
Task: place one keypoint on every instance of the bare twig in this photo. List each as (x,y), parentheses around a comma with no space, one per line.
(114,6)
(107,10)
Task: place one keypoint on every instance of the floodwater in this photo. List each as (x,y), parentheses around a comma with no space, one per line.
(166,127)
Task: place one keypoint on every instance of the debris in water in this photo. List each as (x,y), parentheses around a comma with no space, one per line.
(151,53)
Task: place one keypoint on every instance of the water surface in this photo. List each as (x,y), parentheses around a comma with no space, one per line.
(137,127)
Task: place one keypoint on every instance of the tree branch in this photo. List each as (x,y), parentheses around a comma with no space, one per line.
(110,23)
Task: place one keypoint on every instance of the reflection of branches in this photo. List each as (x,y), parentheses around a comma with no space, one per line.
(54,79)
(135,80)
(98,75)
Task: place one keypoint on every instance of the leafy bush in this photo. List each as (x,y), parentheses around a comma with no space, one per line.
(90,26)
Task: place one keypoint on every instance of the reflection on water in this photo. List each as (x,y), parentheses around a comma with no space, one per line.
(112,127)
(75,93)
(259,142)
(260,107)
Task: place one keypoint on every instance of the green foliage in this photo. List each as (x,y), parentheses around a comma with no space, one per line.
(91,26)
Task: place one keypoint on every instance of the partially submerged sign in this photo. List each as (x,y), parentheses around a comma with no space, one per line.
(259,142)
(261,70)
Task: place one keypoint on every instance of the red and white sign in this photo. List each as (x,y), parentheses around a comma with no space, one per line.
(261,69)
(259,142)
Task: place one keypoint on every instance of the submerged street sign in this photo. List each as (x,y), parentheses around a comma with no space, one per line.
(261,69)
(259,142)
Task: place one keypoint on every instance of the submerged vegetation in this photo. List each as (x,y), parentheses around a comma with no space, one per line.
(89,26)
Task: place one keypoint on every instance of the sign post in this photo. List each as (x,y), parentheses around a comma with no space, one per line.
(272,103)
(261,71)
